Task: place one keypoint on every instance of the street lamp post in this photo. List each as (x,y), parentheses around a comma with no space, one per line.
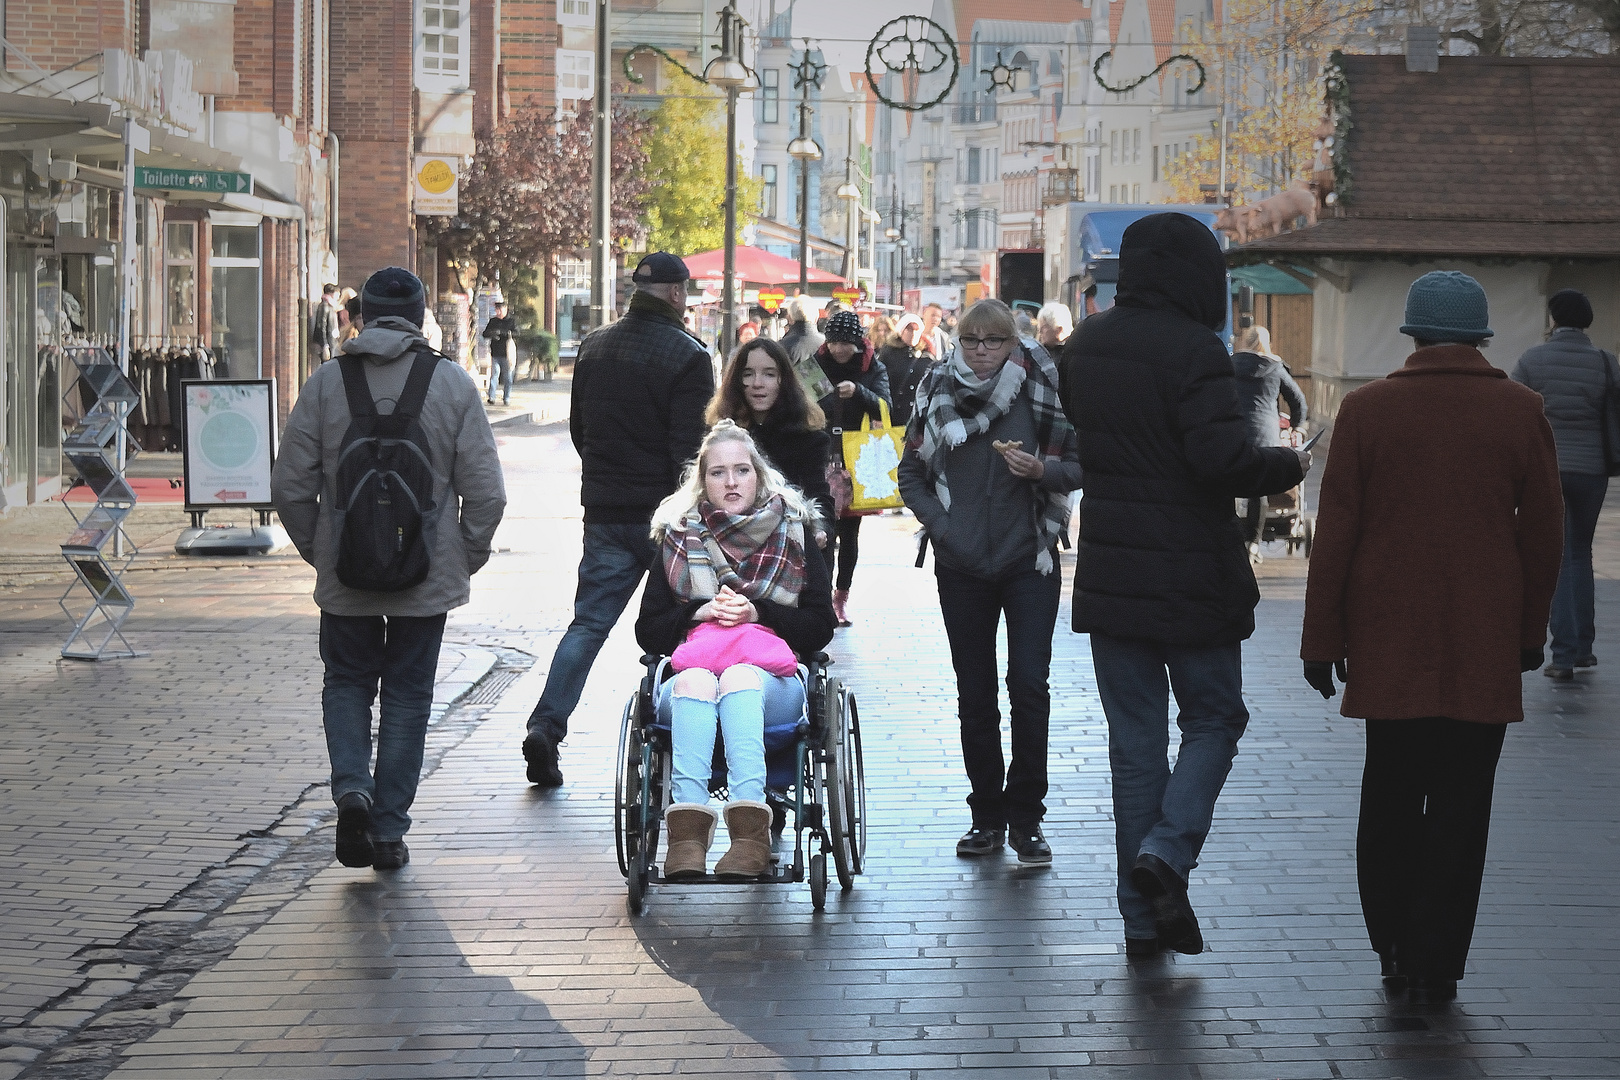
(807,73)
(728,72)
(850,192)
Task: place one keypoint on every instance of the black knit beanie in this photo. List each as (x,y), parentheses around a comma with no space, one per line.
(845,326)
(392,291)
(1570,307)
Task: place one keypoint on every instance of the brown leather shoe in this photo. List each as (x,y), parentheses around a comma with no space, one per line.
(749,824)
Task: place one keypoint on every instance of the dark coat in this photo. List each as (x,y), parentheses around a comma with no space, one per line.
(801,341)
(1568,373)
(871,381)
(1439,533)
(664,622)
(640,388)
(905,367)
(1260,379)
(800,454)
(1165,448)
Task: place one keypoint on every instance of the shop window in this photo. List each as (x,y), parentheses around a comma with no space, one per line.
(234,299)
(180,277)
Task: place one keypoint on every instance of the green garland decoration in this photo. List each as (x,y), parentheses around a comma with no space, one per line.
(1096,71)
(948,47)
(633,77)
(1337,85)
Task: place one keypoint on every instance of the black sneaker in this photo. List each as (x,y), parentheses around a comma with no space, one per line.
(1173,916)
(541,754)
(1031,846)
(354,846)
(1142,948)
(1560,674)
(389,854)
(977,841)
(1587,661)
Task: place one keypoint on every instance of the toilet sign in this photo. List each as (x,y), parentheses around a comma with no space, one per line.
(771,299)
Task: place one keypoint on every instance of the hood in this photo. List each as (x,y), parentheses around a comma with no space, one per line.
(384,340)
(1172,262)
(1250,365)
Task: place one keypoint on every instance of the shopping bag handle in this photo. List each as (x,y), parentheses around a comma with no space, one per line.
(866,417)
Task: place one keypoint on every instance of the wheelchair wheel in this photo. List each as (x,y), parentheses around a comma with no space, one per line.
(818,882)
(635,807)
(846,796)
(626,783)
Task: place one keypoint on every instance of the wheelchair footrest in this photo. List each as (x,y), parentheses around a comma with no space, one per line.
(779,874)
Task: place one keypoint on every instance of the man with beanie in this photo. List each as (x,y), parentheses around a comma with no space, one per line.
(640,387)
(1430,617)
(860,388)
(373,641)
(1163,583)
(1574,378)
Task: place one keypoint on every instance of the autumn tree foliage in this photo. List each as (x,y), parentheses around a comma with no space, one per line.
(686,171)
(527,196)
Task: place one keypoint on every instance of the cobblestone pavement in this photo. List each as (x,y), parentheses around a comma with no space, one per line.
(505,948)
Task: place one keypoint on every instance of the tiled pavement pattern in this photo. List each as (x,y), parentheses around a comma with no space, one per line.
(505,948)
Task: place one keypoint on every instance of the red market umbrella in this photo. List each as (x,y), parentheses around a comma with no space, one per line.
(754,266)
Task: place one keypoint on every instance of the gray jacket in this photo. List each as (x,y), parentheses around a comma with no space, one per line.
(467,483)
(989,529)
(1568,373)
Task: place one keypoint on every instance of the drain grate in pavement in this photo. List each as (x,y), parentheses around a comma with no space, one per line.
(491,687)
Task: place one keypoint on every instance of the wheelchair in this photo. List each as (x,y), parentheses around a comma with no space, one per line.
(813,772)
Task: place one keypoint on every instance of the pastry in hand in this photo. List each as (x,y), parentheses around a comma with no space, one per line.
(1002,446)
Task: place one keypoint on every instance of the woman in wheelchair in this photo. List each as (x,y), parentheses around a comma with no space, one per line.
(736,600)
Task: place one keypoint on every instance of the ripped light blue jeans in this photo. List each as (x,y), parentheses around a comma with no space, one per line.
(696,705)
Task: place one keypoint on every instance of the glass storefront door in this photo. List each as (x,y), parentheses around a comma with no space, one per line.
(234,303)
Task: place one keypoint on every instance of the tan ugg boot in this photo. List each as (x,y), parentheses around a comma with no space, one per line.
(749,824)
(688,832)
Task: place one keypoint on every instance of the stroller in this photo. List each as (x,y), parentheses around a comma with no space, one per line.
(1282,516)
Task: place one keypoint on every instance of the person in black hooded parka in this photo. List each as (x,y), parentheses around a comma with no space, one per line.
(1163,583)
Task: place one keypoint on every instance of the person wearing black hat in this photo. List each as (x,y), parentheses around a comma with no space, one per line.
(860,389)
(641,385)
(1574,378)
(373,640)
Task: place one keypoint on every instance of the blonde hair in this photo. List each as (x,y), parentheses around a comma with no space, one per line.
(1256,339)
(1056,315)
(674,509)
(988,318)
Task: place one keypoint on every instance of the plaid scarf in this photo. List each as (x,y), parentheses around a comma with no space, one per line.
(954,404)
(759,554)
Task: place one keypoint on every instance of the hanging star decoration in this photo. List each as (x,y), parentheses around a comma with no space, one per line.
(808,71)
(1002,75)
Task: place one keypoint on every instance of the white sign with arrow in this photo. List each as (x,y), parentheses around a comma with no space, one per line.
(229,444)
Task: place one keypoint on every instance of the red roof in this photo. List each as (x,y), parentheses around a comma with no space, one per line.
(754,265)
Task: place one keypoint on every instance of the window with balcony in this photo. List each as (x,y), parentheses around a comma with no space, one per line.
(770,96)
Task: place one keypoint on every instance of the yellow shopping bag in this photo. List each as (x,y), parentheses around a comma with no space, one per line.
(872,456)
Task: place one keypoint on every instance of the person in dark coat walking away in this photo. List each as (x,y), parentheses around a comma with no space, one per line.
(1573,377)
(732,554)
(498,332)
(1262,378)
(906,362)
(1163,583)
(1430,618)
(640,387)
(860,389)
(801,339)
(324,328)
(990,460)
(759,392)
(383,646)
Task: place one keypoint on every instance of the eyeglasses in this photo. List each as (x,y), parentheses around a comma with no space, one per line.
(982,342)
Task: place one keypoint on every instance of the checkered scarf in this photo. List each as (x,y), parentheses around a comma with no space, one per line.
(759,554)
(954,404)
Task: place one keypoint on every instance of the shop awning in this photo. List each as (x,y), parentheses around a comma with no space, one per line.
(1268,280)
(754,266)
(29,123)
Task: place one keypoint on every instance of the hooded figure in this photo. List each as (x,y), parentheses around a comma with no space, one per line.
(1163,583)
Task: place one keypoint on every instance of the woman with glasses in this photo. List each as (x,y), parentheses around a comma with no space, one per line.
(990,459)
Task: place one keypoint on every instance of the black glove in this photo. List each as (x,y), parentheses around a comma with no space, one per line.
(1319,673)
(1529,659)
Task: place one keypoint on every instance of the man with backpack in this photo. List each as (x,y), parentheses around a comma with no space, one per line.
(389,484)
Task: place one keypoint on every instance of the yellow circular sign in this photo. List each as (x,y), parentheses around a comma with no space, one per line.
(436,177)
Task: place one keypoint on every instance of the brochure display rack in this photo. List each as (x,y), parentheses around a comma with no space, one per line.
(99,550)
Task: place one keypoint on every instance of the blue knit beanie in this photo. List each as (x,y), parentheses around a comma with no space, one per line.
(1447,306)
(393,291)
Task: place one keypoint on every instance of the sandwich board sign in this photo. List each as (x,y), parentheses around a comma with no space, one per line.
(229,442)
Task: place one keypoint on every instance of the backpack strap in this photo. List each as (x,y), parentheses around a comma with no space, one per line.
(414,396)
(356,386)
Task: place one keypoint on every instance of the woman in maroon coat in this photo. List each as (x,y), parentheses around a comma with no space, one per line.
(1438,537)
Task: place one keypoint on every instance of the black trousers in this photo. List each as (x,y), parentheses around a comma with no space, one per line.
(845,546)
(1420,846)
(973,608)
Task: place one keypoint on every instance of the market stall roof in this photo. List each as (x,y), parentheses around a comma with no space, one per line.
(755,266)
(1270,281)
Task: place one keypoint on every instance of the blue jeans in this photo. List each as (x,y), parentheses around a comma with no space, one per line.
(740,718)
(1574,603)
(972,609)
(616,556)
(401,654)
(500,368)
(1158,811)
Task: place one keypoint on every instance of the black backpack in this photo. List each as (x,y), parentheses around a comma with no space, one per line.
(385,484)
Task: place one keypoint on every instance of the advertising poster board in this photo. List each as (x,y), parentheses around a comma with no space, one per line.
(229,442)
